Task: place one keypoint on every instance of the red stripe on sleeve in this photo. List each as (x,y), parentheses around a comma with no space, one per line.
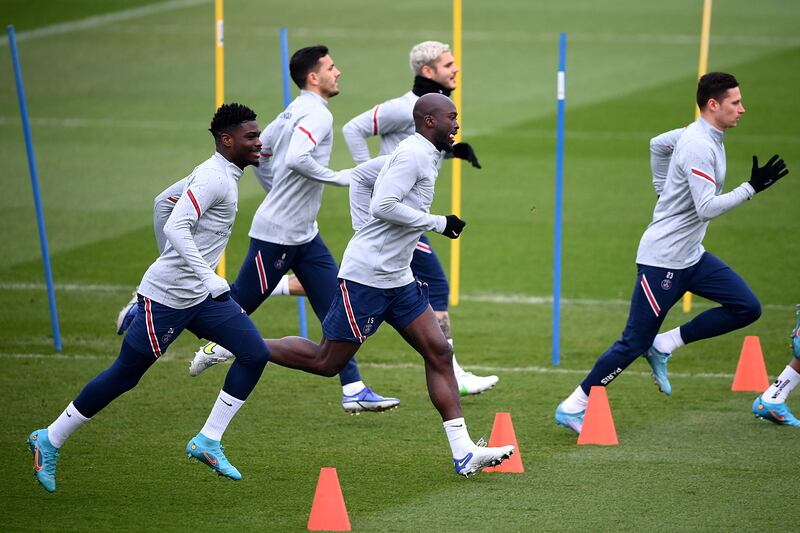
(308,133)
(194,201)
(375,121)
(703,175)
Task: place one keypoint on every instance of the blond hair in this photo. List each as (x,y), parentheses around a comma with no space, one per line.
(426,53)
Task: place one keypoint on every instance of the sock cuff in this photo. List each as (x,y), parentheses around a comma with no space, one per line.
(230,399)
(454,422)
(71,409)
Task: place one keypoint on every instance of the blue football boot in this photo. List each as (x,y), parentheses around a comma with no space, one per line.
(658,364)
(778,413)
(211,453)
(45,457)
(367,400)
(573,421)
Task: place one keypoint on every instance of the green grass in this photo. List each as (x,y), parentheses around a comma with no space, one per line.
(119,112)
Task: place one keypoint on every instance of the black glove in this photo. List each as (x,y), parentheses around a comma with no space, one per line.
(763,177)
(465,151)
(224,297)
(453,227)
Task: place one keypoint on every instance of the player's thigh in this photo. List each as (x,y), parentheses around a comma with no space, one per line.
(317,271)
(228,325)
(716,281)
(355,313)
(260,273)
(156,326)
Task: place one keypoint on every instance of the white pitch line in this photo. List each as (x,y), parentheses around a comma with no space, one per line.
(394,366)
(102,20)
(481,297)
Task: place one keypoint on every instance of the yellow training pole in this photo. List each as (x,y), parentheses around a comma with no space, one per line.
(701,70)
(220,75)
(455,244)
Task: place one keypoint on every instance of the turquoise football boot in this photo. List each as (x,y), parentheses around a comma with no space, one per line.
(778,413)
(796,336)
(658,364)
(211,453)
(45,458)
(573,421)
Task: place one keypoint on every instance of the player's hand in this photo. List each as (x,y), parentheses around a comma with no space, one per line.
(465,151)
(218,287)
(763,177)
(454,227)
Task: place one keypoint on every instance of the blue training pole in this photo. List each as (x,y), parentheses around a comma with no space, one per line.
(561,90)
(287,99)
(26,128)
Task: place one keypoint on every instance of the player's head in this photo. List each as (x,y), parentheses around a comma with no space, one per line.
(313,69)
(719,99)
(433,60)
(236,134)
(436,118)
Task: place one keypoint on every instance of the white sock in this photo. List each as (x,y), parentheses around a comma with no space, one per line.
(221,415)
(576,402)
(351,389)
(669,341)
(457,434)
(282,288)
(779,391)
(65,425)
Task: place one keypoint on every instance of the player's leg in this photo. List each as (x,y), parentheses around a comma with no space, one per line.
(260,273)
(651,300)
(226,324)
(317,270)
(411,315)
(148,337)
(771,405)
(427,268)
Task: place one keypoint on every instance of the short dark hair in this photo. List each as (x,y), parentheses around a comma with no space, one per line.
(304,61)
(714,85)
(229,115)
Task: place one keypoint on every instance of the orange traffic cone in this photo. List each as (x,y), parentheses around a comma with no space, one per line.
(328,512)
(751,373)
(598,424)
(502,435)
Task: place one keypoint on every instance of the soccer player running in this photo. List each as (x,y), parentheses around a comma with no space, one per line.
(771,405)
(376,283)
(671,259)
(181,291)
(284,233)
(434,72)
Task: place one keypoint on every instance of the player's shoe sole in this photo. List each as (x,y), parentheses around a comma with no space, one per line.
(777,413)
(368,400)
(212,454)
(470,384)
(658,366)
(127,314)
(573,421)
(208,355)
(480,458)
(45,459)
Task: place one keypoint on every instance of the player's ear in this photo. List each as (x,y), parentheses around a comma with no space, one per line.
(226,139)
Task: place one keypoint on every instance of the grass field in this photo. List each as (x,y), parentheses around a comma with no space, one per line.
(119,107)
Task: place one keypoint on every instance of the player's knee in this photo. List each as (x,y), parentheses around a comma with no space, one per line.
(329,368)
(441,353)
(750,310)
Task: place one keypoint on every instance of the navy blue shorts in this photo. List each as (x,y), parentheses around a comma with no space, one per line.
(267,262)
(156,326)
(358,310)
(427,268)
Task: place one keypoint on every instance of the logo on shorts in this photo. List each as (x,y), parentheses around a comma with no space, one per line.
(279,263)
(666,283)
(369,326)
(168,335)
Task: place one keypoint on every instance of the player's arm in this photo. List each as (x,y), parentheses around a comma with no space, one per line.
(362,182)
(264,171)
(201,194)
(389,117)
(162,209)
(301,147)
(393,185)
(661,148)
(698,166)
